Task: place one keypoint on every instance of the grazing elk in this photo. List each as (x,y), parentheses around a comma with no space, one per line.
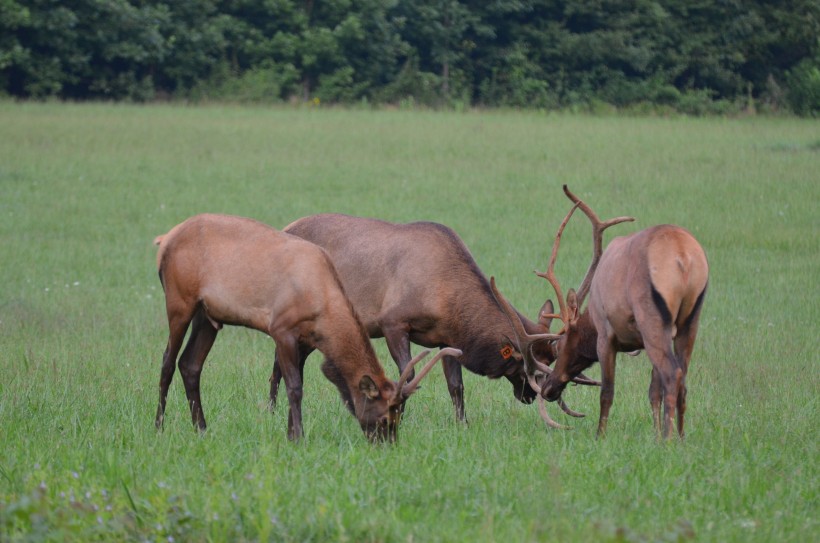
(645,292)
(219,269)
(419,283)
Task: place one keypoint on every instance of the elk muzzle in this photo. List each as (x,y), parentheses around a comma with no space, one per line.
(522,390)
(552,388)
(381,432)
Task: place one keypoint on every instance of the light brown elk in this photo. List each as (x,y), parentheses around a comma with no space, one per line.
(645,291)
(219,269)
(418,283)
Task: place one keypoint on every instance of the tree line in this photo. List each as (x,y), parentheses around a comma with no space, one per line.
(696,56)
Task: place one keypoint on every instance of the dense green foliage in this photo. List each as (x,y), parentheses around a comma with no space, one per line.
(695,56)
(85,188)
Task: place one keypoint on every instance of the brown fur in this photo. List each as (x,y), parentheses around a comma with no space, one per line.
(419,283)
(219,269)
(646,293)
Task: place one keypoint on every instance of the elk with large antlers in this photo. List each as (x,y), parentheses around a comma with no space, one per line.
(418,282)
(219,269)
(645,292)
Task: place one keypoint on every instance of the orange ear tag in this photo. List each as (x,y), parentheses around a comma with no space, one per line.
(506,352)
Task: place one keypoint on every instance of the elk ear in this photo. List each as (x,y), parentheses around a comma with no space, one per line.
(572,305)
(368,387)
(545,315)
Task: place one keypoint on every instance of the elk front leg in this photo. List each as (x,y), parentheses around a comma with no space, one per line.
(455,384)
(287,350)
(398,343)
(275,379)
(606,357)
(203,335)
(276,376)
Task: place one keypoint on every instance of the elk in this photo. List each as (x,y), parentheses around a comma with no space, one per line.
(646,292)
(418,283)
(221,269)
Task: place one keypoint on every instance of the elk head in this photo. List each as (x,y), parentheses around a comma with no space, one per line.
(571,341)
(380,414)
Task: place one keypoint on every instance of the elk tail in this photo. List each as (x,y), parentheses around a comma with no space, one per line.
(660,303)
(696,309)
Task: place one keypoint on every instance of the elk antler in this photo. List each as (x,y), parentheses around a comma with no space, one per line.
(523,339)
(542,407)
(524,342)
(598,227)
(407,389)
(408,369)
(549,275)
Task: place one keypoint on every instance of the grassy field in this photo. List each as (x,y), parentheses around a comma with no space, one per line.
(85,188)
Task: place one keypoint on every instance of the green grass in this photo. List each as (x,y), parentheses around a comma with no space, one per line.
(85,188)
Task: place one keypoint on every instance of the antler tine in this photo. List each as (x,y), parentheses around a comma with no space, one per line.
(565,408)
(582,379)
(410,387)
(542,408)
(598,227)
(523,339)
(405,375)
(549,275)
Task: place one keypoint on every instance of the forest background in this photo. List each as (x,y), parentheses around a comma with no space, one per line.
(689,56)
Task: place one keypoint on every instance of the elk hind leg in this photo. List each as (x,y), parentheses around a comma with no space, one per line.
(667,376)
(203,335)
(178,321)
(655,398)
(684,345)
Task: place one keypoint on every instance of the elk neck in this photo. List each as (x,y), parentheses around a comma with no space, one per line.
(341,337)
(588,337)
(484,336)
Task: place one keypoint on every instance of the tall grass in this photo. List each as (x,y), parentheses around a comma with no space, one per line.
(85,188)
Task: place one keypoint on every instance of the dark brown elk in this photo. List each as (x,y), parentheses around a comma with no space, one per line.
(646,292)
(219,269)
(419,283)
